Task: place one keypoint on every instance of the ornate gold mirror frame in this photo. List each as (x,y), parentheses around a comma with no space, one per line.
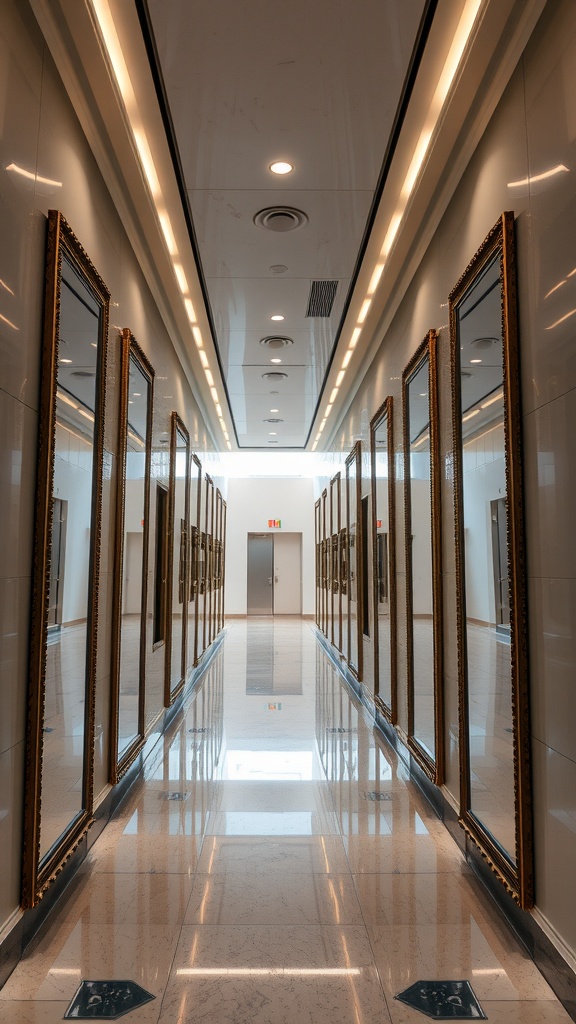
(64,615)
(335,561)
(177,580)
(130,594)
(384,559)
(318,549)
(193,562)
(495,797)
(223,562)
(324,559)
(423,558)
(354,559)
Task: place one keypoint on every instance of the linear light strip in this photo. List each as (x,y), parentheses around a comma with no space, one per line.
(113,47)
(444,84)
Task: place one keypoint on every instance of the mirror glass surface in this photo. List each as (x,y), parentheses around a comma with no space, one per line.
(419,482)
(352,479)
(65,726)
(192,630)
(384,575)
(486,557)
(134,539)
(178,571)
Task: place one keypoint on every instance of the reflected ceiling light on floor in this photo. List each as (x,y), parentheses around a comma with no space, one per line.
(281,167)
(274,972)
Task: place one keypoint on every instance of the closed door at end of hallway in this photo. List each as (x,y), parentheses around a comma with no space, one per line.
(274,574)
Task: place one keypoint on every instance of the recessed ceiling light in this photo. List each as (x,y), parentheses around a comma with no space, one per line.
(273,410)
(277,316)
(281,167)
(65,360)
(275,360)
(272,433)
(475,360)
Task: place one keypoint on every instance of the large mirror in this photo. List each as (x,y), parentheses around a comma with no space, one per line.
(177,584)
(384,560)
(423,558)
(63,643)
(193,538)
(353,532)
(208,579)
(324,561)
(318,549)
(335,589)
(223,564)
(131,557)
(495,738)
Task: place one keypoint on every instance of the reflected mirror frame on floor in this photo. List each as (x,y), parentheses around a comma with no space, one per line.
(383,421)
(131,353)
(426,353)
(37,873)
(177,558)
(517,877)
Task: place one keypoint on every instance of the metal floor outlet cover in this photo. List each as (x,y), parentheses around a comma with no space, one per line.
(106,1000)
(443,1000)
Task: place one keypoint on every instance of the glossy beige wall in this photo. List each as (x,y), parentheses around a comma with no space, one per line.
(532,130)
(40,132)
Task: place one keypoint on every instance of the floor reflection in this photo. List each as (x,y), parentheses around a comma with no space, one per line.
(275,864)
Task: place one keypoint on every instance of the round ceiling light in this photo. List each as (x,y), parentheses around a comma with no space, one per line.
(280,218)
(281,167)
(277,316)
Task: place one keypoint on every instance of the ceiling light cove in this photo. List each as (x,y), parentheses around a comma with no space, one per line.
(281,167)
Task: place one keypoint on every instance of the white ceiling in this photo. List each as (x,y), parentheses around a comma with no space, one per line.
(247,83)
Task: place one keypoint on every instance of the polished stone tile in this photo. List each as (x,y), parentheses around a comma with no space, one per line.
(287,855)
(406,953)
(408,899)
(151,899)
(268,897)
(403,853)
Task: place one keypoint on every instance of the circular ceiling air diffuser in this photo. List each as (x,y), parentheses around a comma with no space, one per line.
(274,375)
(276,341)
(83,374)
(280,218)
(483,344)
(272,420)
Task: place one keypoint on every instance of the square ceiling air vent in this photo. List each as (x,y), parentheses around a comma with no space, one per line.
(321,298)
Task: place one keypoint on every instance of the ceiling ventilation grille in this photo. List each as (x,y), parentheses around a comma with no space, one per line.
(321,298)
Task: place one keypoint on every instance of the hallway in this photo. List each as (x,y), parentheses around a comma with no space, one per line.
(275,865)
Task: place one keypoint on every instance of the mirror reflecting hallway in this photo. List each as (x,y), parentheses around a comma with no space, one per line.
(274,863)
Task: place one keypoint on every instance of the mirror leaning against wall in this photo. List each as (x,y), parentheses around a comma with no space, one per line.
(495,794)
(63,642)
(131,557)
(423,558)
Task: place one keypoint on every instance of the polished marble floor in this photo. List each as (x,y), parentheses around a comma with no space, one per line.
(275,865)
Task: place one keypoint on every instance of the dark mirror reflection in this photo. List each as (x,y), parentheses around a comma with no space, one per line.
(486,557)
(176,668)
(65,731)
(133,561)
(352,467)
(384,576)
(419,476)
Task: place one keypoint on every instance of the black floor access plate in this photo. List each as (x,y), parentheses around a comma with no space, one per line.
(106,1000)
(443,1000)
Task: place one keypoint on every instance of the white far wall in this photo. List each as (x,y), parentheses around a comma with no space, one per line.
(251,503)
